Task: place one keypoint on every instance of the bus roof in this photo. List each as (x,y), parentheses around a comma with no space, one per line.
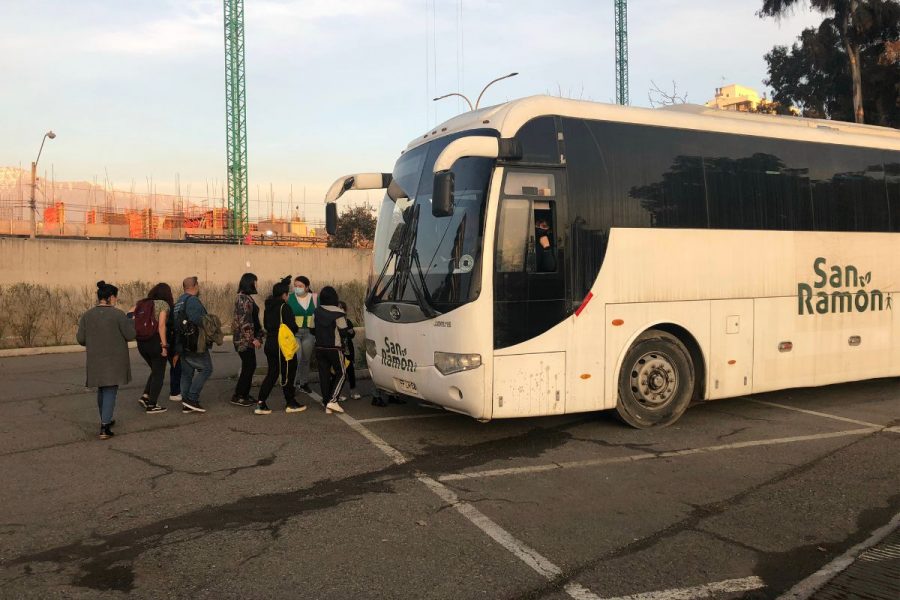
(507,118)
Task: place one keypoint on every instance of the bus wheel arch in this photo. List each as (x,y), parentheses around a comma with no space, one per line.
(659,376)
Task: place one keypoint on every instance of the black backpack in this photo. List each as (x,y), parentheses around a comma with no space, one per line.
(188,333)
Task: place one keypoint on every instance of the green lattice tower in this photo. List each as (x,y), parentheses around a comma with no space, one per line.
(621,8)
(236,120)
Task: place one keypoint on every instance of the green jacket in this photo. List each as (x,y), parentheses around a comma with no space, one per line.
(303,316)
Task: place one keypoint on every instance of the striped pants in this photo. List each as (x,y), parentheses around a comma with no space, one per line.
(332,373)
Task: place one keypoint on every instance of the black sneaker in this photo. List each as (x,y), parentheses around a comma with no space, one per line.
(305,388)
(106,432)
(143,401)
(262,409)
(192,406)
(156,408)
(245,402)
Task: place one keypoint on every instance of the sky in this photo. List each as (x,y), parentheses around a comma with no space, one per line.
(134,89)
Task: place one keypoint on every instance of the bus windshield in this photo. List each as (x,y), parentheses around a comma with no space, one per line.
(425,260)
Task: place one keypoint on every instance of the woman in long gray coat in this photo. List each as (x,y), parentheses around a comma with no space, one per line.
(105,332)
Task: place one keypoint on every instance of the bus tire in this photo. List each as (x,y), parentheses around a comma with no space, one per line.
(656,381)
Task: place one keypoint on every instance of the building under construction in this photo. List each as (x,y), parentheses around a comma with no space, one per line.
(91,210)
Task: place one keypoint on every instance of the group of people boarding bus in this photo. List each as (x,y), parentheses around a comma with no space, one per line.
(178,334)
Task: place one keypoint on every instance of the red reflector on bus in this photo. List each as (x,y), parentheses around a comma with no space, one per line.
(584,303)
(618,322)
(732,362)
(785,347)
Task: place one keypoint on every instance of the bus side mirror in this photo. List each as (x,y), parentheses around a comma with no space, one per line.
(331,218)
(442,199)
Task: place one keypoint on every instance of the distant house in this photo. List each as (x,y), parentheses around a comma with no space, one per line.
(735,97)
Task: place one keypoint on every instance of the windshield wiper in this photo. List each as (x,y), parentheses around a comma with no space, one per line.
(395,245)
(409,257)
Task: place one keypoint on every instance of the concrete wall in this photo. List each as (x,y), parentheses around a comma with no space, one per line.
(83,262)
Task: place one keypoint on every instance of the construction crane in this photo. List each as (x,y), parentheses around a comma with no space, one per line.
(236,120)
(621,10)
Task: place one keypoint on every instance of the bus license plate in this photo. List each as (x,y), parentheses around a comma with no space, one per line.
(406,387)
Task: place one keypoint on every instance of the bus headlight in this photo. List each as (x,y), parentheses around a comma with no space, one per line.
(448,362)
(371,350)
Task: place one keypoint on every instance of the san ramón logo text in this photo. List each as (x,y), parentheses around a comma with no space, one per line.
(839,289)
(394,355)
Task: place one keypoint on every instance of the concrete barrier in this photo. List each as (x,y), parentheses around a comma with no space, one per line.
(82,262)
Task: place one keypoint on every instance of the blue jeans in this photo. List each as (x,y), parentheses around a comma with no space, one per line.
(106,403)
(307,341)
(201,364)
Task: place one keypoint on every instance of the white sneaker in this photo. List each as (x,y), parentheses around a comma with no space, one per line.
(333,407)
(355,396)
(342,398)
(175,398)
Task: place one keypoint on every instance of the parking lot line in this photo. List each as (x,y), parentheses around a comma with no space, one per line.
(577,464)
(519,549)
(708,590)
(403,417)
(818,414)
(808,586)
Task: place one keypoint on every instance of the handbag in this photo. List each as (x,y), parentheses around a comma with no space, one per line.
(287,343)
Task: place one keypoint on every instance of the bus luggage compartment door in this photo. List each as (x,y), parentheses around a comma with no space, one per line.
(731,348)
(527,385)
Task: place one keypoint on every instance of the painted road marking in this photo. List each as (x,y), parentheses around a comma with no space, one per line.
(403,418)
(577,464)
(701,591)
(519,549)
(819,414)
(808,586)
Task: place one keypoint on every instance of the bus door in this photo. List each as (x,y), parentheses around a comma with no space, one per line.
(529,295)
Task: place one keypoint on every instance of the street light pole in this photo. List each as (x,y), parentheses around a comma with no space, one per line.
(477,102)
(33,203)
(469,102)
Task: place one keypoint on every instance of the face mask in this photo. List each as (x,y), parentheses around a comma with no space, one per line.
(299,290)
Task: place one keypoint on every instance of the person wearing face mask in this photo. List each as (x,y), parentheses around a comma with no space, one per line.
(303,303)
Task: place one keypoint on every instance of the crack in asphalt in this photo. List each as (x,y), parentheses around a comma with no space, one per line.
(693,521)
(106,562)
(265,461)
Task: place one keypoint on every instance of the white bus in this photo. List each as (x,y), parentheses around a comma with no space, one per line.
(549,256)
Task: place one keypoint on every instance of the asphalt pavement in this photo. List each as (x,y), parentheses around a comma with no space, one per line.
(753,497)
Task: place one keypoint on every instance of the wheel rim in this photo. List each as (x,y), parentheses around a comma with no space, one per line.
(654,380)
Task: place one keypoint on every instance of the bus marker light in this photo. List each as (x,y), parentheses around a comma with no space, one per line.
(584,303)
(732,362)
(854,340)
(618,322)
(585,375)
(785,346)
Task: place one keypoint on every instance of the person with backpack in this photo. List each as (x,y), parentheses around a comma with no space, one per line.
(105,332)
(247,335)
(196,365)
(349,352)
(303,303)
(150,315)
(331,328)
(281,350)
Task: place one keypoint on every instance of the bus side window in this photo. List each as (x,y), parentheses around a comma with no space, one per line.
(514,234)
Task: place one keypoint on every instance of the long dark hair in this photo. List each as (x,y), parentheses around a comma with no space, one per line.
(162,291)
(247,284)
(105,291)
(328,295)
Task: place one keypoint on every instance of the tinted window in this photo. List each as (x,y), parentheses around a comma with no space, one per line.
(892,183)
(539,141)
